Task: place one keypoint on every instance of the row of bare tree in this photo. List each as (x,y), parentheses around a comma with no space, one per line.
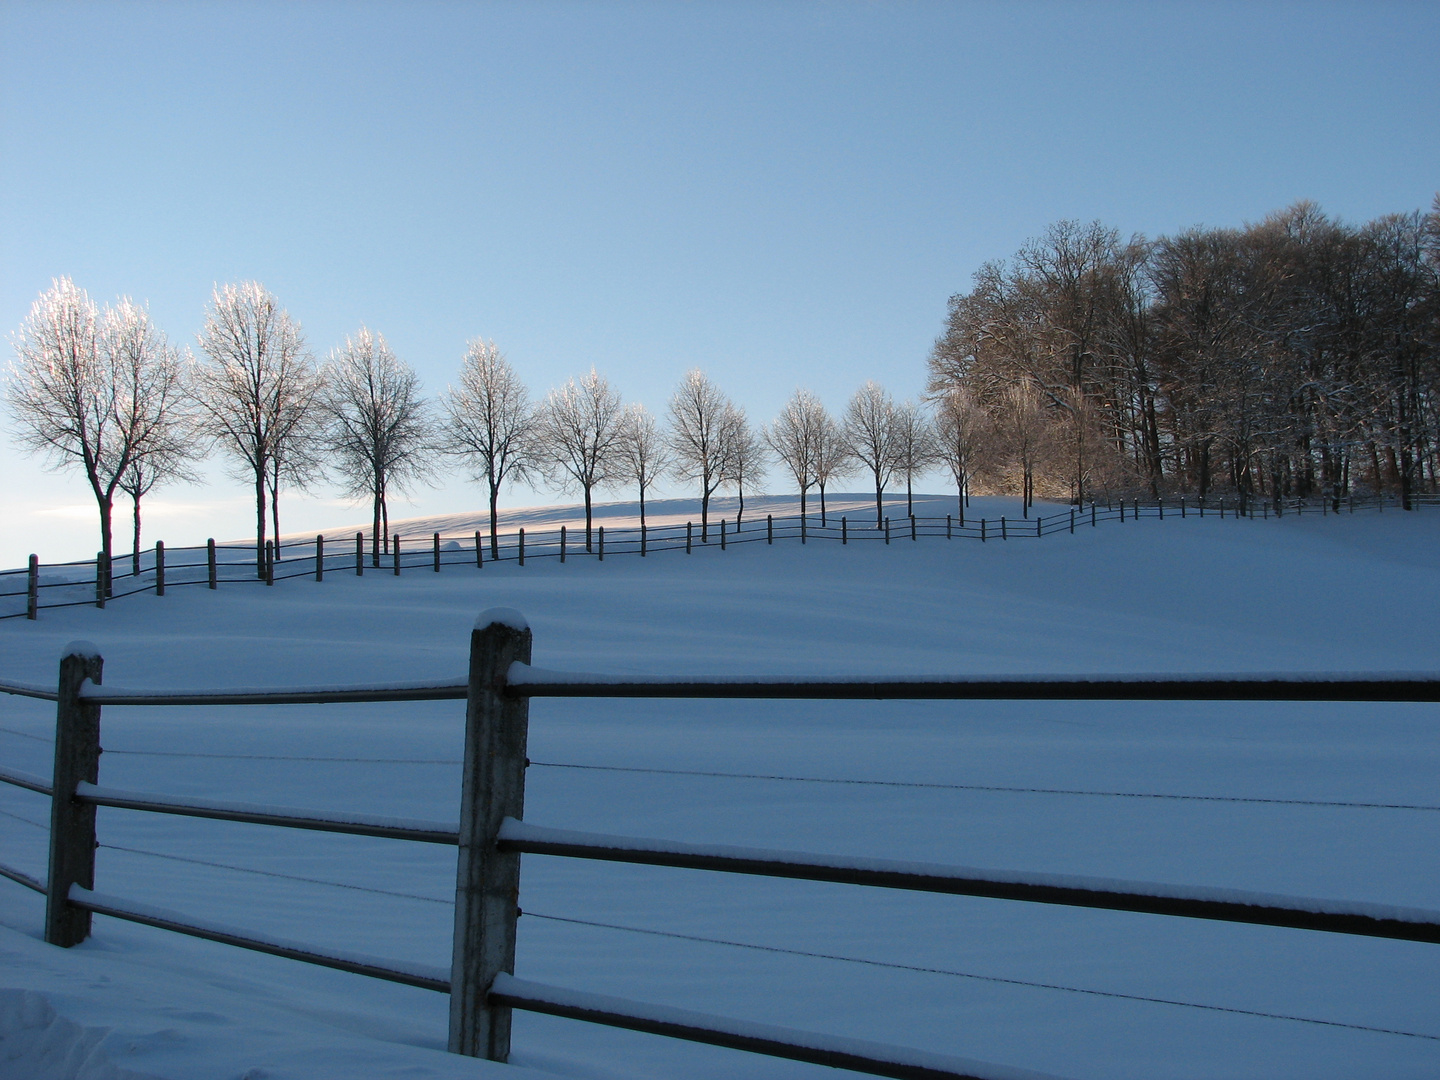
(103,391)
(1299,356)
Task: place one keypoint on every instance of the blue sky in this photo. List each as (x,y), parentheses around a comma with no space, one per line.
(782,194)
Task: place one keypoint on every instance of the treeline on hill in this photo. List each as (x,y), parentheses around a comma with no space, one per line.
(1297,357)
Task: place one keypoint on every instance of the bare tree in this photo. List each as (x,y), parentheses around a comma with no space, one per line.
(795,436)
(492,424)
(870,433)
(256,390)
(915,450)
(582,437)
(643,451)
(1022,423)
(700,436)
(748,458)
(377,428)
(92,393)
(960,428)
(832,458)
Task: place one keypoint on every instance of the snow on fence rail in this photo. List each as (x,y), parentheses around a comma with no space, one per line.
(491,837)
(92,581)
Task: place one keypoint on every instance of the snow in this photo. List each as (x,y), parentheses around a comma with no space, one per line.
(88,649)
(1354,593)
(502,616)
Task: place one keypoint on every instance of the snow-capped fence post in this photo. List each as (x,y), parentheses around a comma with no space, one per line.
(319,557)
(210,560)
(947,528)
(32,588)
(844,532)
(1161,504)
(1072,519)
(159,567)
(487,884)
(437,553)
(1092,515)
(1182,506)
(72,824)
(359,554)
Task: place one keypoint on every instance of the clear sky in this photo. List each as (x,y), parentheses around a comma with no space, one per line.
(783,194)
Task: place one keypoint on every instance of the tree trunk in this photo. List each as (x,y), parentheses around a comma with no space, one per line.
(879,510)
(260,522)
(107,545)
(135,545)
(822,505)
(275,508)
(494,521)
(642,506)
(909,497)
(705,490)
(588,514)
(375,533)
(803,492)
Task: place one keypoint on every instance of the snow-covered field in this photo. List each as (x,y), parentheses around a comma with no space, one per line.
(1045,988)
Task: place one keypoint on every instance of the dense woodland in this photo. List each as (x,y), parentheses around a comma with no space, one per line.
(1298,357)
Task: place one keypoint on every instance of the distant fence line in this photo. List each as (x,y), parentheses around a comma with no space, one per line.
(90,582)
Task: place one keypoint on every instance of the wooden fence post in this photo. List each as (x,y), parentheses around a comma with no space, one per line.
(1004,529)
(562,544)
(100,579)
(722,534)
(947,528)
(479,550)
(1092,515)
(769,529)
(32,588)
(887,530)
(1072,519)
(159,567)
(1039,522)
(397,554)
(210,560)
(601,551)
(319,557)
(913,534)
(487,881)
(437,553)
(803,519)
(642,539)
(844,532)
(520,549)
(269,562)
(359,554)
(689,536)
(72,824)
(983,523)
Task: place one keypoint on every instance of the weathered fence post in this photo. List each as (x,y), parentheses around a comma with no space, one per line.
(722,534)
(1122,509)
(601,542)
(269,562)
(642,539)
(1004,529)
(397,554)
(844,532)
(913,534)
(319,557)
(100,579)
(159,567)
(437,553)
(32,588)
(689,536)
(359,554)
(562,543)
(210,560)
(887,530)
(487,880)
(479,550)
(72,824)
(1072,519)
(982,530)
(769,529)
(803,520)
(1182,506)
(1092,515)
(1039,522)
(520,549)
(1161,504)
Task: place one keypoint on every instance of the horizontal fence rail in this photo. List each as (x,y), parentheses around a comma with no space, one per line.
(87,582)
(491,837)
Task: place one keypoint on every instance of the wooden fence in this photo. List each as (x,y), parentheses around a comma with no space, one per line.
(93,581)
(492,835)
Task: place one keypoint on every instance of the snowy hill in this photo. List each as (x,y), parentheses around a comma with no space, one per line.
(1250,794)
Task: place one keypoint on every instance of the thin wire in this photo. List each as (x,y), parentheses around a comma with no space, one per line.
(983,978)
(282,757)
(24,734)
(26,820)
(988,787)
(274,874)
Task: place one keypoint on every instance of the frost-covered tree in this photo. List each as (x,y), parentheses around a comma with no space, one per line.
(796,436)
(700,434)
(748,458)
(870,434)
(93,392)
(377,427)
(832,459)
(960,438)
(581,429)
(915,450)
(1023,430)
(491,423)
(256,392)
(644,453)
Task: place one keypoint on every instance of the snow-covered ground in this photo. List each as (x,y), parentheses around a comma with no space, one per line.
(1045,988)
